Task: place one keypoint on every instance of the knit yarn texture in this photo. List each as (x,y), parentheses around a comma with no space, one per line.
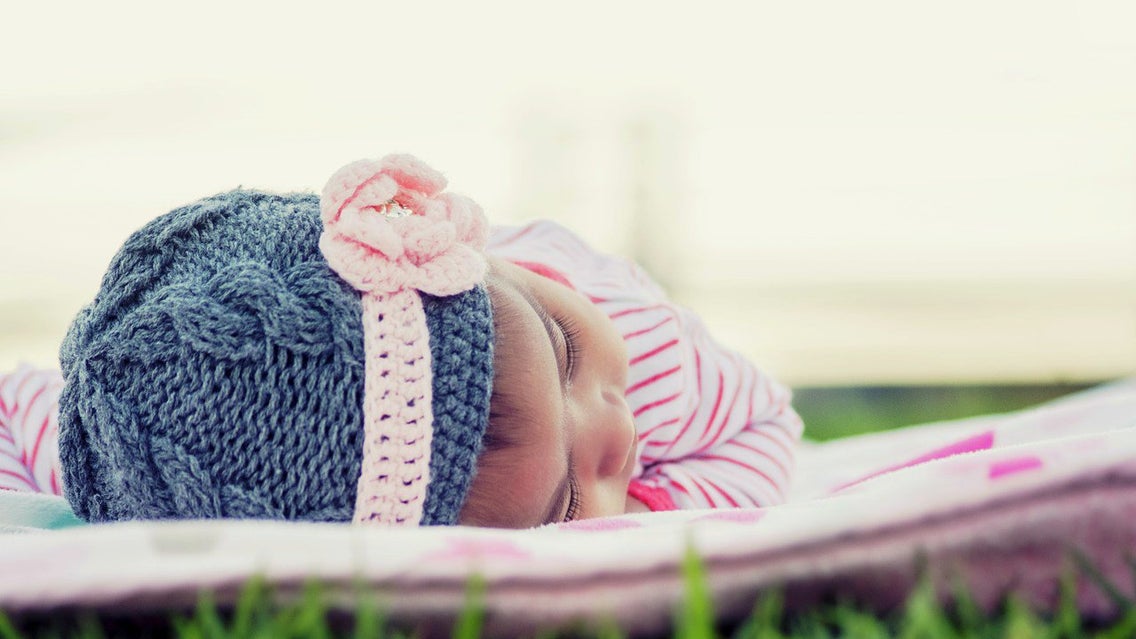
(219,374)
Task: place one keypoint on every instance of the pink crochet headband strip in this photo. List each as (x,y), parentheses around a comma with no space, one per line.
(391,233)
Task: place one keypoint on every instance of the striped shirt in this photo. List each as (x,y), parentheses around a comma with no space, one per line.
(714,431)
(29,439)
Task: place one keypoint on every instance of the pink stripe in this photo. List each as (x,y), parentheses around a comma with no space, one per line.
(19,391)
(4,434)
(718,488)
(547,272)
(19,477)
(764,432)
(35,398)
(632,311)
(516,236)
(717,401)
(689,420)
(652,379)
(55,483)
(655,404)
(725,420)
(741,464)
(773,460)
(698,371)
(39,440)
(647,433)
(643,331)
(982,441)
(750,393)
(1012,466)
(706,495)
(653,352)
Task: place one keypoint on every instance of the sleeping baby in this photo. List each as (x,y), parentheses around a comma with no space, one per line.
(379,355)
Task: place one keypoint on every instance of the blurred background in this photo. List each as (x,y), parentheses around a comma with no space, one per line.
(908,212)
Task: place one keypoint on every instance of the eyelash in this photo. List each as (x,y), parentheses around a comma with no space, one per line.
(571,333)
(573,496)
(571,342)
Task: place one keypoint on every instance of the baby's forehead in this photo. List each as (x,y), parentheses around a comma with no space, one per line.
(511,302)
(515,325)
(524,366)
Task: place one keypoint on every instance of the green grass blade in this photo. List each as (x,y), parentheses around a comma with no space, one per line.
(809,626)
(251,609)
(1067,622)
(284,622)
(1021,622)
(1130,559)
(765,620)
(7,630)
(184,628)
(209,622)
(606,630)
(1124,629)
(857,624)
(89,627)
(1100,580)
(924,617)
(311,620)
(472,616)
(971,620)
(696,615)
(369,620)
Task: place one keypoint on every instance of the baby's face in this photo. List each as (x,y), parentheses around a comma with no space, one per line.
(561,369)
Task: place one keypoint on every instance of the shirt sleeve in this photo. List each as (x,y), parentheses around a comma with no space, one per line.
(714,430)
(29,430)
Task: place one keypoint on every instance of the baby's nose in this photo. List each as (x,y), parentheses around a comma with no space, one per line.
(617,434)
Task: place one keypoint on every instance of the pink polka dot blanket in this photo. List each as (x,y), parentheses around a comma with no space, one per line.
(1001,503)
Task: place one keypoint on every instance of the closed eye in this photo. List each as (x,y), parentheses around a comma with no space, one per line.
(573,511)
(571,332)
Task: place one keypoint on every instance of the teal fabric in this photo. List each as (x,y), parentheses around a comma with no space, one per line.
(27,512)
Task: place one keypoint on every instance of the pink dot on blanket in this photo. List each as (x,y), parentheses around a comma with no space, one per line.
(739,516)
(1011,466)
(981,441)
(462,548)
(600,525)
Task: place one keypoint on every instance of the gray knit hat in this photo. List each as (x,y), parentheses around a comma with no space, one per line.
(227,367)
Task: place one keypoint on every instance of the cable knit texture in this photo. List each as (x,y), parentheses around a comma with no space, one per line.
(220,370)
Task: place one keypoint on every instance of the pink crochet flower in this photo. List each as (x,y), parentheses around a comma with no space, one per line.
(388,226)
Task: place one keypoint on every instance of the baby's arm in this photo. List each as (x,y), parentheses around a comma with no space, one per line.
(714,431)
(731,442)
(29,430)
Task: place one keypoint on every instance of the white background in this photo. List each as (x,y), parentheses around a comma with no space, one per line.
(849,192)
